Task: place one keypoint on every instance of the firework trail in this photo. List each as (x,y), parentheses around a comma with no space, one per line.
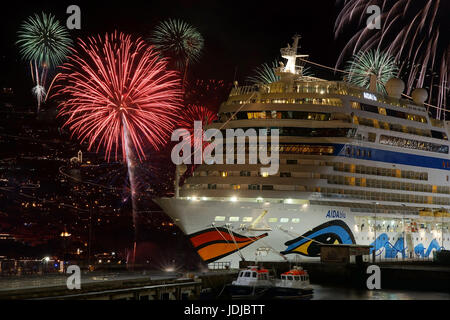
(371,62)
(179,41)
(44,42)
(414,32)
(119,96)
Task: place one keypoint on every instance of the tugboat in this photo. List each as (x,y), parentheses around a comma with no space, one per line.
(293,284)
(251,283)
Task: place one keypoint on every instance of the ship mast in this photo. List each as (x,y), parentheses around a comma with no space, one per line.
(290,71)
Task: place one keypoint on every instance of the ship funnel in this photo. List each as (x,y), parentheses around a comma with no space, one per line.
(395,87)
(419,95)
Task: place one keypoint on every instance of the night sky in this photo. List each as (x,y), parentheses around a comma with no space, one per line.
(238,35)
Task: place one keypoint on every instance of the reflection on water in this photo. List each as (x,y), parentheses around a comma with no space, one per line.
(322,292)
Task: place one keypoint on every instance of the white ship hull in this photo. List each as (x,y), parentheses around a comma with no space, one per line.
(355,166)
(219,232)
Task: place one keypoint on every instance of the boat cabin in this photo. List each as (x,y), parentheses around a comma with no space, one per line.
(295,275)
(296,278)
(253,276)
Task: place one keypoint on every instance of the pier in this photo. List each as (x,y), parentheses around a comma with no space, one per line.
(407,275)
(103,286)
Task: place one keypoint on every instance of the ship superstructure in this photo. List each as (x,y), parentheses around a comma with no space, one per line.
(356,167)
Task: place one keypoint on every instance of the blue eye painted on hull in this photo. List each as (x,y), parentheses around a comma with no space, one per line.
(331,232)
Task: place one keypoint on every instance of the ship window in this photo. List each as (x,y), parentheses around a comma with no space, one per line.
(369,108)
(219,218)
(247,274)
(438,135)
(234,219)
(356,105)
(273,220)
(296,220)
(267,187)
(291,161)
(284,220)
(247,219)
(413,144)
(290,278)
(296,278)
(254,274)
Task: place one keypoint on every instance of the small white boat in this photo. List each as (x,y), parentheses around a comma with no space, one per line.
(294,283)
(251,283)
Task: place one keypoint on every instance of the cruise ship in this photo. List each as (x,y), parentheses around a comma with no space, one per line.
(356,167)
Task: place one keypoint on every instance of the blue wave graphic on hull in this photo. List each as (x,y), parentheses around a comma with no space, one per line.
(391,251)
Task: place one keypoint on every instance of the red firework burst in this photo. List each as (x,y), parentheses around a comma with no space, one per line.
(117,91)
(192,113)
(195,113)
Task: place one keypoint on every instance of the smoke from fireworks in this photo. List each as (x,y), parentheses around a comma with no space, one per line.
(371,62)
(43,42)
(39,92)
(414,32)
(119,94)
(179,41)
